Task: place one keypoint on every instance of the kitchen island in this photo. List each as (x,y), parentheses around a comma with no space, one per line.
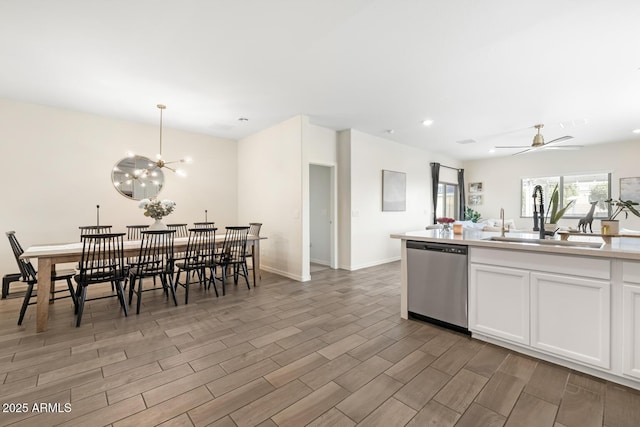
(576,304)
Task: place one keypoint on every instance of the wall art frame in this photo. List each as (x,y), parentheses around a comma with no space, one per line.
(394,191)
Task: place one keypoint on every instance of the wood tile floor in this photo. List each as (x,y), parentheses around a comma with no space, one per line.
(330,352)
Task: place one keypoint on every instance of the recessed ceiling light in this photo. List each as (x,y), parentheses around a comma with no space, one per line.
(427,122)
(636,131)
(493,150)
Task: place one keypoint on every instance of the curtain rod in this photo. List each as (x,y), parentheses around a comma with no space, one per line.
(448,167)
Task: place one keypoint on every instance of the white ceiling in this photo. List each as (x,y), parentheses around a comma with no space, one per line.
(483,70)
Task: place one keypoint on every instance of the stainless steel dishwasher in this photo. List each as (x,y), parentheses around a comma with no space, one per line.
(437,283)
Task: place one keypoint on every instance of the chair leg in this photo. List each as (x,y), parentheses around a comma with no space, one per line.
(212,280)
(123,302)
(73,294)
(83,297)
(78,294)
(244,267)
(168,280)
(132,285)
(139,300)
(25,303)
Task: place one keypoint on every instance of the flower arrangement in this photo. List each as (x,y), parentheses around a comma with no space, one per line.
(445,220)
(157,209)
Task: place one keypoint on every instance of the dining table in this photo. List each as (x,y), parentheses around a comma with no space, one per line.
(48,255)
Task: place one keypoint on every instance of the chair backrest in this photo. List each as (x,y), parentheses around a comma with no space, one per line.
(203,224)
(254,228)
(156,252)
(201,247)
(133,231)
(94,229)
(27,270)
(180,229)
(235,244)
(102,258)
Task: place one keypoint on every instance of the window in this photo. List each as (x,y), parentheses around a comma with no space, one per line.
(583,189)
(447,200)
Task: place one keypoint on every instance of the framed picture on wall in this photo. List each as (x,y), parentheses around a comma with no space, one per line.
(630,189)
(394,191)
(474,199)
(475,187)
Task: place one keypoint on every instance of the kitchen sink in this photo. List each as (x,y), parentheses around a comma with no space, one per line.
(548,242)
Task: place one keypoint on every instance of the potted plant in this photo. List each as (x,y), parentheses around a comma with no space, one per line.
(554,212)
(618,206)
(471,215)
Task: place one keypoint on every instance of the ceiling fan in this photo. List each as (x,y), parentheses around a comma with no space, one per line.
(538,143)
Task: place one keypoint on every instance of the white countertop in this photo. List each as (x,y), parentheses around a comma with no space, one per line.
(620,248)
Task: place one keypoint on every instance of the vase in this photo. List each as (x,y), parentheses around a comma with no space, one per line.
(609,226)
(158,225)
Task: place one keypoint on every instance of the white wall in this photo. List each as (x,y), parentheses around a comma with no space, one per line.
(501,176)
(270,170)
(57,168)
(370,227)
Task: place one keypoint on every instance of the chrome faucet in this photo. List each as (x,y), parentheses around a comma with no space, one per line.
(502,229)
(538,215)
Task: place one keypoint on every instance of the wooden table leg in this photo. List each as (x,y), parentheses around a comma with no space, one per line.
(44,284)
(256,262)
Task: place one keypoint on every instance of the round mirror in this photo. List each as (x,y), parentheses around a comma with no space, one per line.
(137,178)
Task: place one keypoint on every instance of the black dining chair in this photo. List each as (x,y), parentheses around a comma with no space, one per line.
(204,224)
(254,230)
(199,257)
(233,255)
(30,277)
(102,261)
(180,229)
(94,229)
(133,231)
(155,259)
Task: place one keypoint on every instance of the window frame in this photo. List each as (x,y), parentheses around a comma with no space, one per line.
(561,180)
(456,195)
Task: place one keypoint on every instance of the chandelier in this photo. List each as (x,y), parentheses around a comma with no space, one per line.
(160,162)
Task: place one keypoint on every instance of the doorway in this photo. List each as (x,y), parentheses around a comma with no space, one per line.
(321,218)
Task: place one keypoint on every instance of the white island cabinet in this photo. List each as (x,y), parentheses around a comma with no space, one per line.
(499,302)
(631,319)
(542,302)
(568,303)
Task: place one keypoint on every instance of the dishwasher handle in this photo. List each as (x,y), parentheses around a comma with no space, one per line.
(437,247)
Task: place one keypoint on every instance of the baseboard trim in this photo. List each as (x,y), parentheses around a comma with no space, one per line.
(296,277)
(369,264)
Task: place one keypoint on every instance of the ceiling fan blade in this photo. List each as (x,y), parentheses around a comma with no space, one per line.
(562,147)
(523,151)
(562,138)
(512,146)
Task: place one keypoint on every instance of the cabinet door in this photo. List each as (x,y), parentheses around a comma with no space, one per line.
(570,317)
(499,302)
(631,330)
